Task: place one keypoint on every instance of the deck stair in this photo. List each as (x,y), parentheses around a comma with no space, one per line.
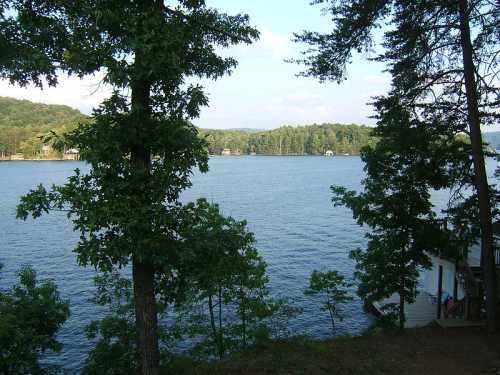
(471,279)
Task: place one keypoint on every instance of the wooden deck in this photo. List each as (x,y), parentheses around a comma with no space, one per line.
(418,314)
(459,323)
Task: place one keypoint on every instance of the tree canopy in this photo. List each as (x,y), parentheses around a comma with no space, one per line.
(31,314)
(125,207)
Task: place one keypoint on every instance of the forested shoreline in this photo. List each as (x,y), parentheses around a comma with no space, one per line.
(287,140)
(23,124)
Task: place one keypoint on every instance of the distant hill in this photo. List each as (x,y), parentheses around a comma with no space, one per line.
(22,123)
(493,139)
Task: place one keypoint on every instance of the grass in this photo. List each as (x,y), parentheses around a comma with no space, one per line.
(418,351)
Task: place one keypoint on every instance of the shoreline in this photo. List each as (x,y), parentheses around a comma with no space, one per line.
(220,156)
(36,160)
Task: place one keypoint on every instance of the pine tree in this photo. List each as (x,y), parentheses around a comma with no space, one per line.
(437,63)
(411,158)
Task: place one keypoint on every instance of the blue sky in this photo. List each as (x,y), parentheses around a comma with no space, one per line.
(263,92)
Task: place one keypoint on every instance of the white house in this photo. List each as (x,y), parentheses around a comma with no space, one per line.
(461,281)
(45,150)
(451,273)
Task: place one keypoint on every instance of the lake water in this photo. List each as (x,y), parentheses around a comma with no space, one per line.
(286,201)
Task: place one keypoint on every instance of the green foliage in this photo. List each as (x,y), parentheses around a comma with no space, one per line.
(422,47)
(218,140)
(280,310)
(33,41)
(115,334)
(412,159)
(222,303)
(334,290)
(31,314)
(141,145)
(424,52)
(112,229)
(228,303)
(118,209)
(443,58)
(23,125)
(288,140)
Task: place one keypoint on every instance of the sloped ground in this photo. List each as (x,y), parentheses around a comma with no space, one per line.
(418,351)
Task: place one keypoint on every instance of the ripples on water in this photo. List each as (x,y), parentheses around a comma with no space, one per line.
(286,201)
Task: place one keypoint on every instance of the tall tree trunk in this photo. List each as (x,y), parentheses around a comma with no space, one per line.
(331,310)
(401,310)
(212,324)
(402,293)
(142,270)
(481,180)
(243,316)
(221,334)
(146,317)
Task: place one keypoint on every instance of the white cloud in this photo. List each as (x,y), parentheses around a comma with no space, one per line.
(301,107)
(271,45)
(83,94)
(263,92)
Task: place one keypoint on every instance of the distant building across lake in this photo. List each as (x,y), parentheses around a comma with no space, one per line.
(329,153)
(72,154)
(45,150)
(17,156)
(229,152)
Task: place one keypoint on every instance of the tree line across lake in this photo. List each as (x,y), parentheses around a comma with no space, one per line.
(288,140)
(23,123)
